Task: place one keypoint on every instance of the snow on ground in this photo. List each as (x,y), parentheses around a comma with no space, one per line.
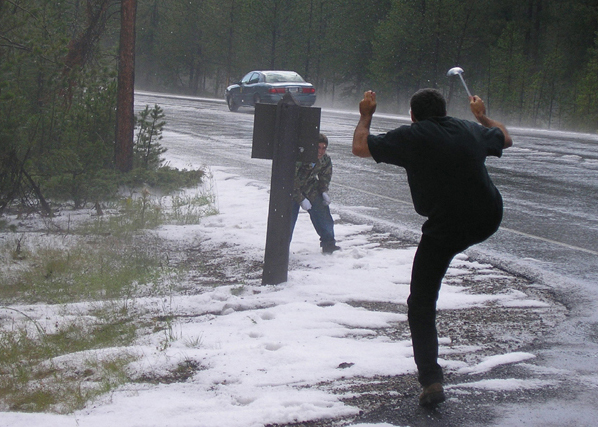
(261,349)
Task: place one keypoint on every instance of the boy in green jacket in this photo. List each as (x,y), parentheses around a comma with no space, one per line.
(311,193)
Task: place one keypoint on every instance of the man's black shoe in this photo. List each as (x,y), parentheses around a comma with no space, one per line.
(432,395)
(328,249)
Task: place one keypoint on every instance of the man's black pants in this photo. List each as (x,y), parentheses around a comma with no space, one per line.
(429,267)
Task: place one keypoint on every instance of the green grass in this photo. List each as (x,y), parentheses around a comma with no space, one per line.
(190,209)
(107,264)
(106,269)
(31,380)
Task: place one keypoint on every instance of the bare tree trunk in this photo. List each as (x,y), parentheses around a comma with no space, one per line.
(81,47)
(125,116)
(231,35)
(274,33)
(308,43)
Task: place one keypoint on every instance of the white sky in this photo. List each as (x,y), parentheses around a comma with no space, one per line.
(268,342)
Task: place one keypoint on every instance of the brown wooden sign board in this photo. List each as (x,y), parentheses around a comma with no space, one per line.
(264,132)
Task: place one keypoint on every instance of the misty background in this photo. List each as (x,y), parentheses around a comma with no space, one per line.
(534,62)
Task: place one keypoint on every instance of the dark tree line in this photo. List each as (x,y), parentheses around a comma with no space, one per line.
(59,73)
(533,61)
(57,92)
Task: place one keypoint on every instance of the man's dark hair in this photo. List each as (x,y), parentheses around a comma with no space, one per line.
(426,103)
(323,139)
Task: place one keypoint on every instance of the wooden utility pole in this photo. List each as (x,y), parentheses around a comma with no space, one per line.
(125,115)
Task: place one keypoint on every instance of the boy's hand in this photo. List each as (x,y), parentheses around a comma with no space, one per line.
(306,204)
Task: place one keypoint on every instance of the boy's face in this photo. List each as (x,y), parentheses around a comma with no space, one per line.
(321,150)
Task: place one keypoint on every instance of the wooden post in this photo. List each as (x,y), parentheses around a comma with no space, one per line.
(284,133)
(276,259)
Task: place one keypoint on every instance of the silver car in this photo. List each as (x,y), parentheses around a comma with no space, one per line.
(269,87)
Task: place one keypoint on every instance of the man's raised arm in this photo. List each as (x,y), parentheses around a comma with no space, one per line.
(367,107)
(479,111)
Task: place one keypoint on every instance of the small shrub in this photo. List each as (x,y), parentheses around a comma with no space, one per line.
(164,179)
(147,149)
(190,209)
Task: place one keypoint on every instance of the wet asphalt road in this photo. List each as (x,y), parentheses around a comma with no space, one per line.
(549,234)
(549,183)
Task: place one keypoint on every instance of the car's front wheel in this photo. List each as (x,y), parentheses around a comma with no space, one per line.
(232,105)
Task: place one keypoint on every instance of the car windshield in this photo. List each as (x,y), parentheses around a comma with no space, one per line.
(280,77)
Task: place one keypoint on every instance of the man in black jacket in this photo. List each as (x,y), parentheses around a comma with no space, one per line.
(444,160)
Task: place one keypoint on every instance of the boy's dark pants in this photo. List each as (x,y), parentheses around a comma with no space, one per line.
(320,218)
